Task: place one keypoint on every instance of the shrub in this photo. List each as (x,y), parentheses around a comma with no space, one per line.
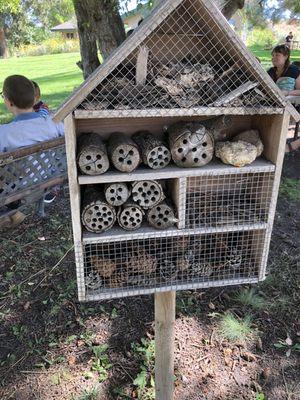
(50,46)
(263,37)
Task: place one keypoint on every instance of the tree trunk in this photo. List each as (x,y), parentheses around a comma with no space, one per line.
(3,44)
(229,7)
(100,27)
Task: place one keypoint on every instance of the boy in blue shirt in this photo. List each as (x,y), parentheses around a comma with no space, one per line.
(28,127)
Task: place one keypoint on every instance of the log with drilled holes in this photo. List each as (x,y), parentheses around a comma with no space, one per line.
(191,144)
(123,152)
(117,194)
(130,216)
(154,152)
(147,193)
(97,215)
(92,156)
(161,216)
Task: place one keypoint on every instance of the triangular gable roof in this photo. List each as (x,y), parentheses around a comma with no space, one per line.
(159,14)
(65,26)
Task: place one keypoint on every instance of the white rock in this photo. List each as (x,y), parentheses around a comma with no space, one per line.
(251,136)
(238,153)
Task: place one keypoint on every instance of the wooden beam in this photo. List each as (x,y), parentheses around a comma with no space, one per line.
(164,345)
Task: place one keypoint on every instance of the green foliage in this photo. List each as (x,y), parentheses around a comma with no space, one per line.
(101,363)
(263,37)
(234,329)
(88,394)
(53,45)
(290,188)
(260,396)
(288,346)
(250,298)
(144,381)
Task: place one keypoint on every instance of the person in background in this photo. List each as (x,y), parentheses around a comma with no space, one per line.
(28,127)
(39,106)
(289,39)
(284,74)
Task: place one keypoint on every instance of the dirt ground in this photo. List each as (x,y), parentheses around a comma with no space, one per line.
(52,347)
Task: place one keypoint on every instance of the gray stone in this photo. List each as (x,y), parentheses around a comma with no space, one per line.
(251,136)
(238,153)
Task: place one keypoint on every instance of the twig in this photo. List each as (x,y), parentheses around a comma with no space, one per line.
(285,384)
(127,373)
(53,268)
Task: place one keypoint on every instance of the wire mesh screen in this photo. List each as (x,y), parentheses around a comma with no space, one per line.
(186,62)
(228,199)
(117,269)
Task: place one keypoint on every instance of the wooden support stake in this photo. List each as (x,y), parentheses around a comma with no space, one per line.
(164,345)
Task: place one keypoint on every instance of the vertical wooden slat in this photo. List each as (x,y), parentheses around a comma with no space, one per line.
(164,345)
(74,189)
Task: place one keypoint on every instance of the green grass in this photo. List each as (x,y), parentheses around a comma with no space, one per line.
(56,74)
(250,298)
(290,189)
(235,329)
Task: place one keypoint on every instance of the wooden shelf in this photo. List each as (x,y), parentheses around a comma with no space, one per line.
(175,112)
(172,171)
(125,292)
(146,232)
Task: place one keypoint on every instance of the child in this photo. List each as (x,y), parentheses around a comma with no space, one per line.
(39,106)
(28,127)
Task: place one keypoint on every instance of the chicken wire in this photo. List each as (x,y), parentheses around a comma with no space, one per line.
(191,64)
(220,200)
(131,267)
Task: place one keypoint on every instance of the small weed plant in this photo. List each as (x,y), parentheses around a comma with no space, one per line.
(233,329)
(290,188)
(144,381)
(101,363)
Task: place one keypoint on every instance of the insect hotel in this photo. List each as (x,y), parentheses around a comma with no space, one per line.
(175,146)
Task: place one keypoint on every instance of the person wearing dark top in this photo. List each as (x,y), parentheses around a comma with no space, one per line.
(284,74)
(289,39)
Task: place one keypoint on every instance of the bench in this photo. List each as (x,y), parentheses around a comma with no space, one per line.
(27,173)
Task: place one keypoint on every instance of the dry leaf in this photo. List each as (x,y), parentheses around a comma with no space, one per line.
(289,341)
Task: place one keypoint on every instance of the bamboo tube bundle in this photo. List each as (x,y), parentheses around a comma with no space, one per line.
(130,216)
(154,152)
(116,194)
(103,266)
(161,216)
(147,193)
(191,144)
(123,152)
(92,156)
(97,215)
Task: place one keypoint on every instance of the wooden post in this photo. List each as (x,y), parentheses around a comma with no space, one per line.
(164,345)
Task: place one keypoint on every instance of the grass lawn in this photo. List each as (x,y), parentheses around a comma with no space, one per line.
(58,74)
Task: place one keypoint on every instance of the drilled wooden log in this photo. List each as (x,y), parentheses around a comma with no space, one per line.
(123,152)
(97,215)
(116,194)
(153,151)
(130,216)
(161,216)
(147,193)
(191,144)
(92,155)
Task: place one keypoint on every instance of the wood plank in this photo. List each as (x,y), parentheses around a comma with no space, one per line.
(116,293)
(142,66)
(164,345)
(74,190)
(176,112)
(227,98)
(277,151)
(117,234)
(179,198)
(172,171)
